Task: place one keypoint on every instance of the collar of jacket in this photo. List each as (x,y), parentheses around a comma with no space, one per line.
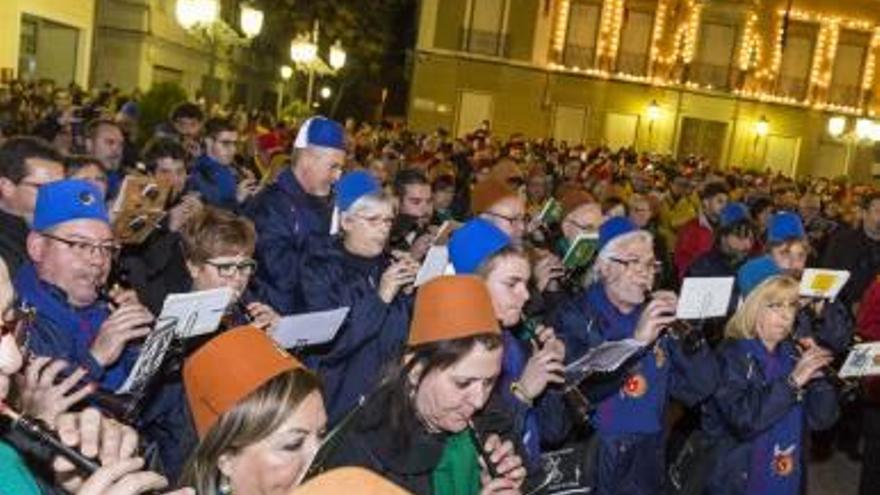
(290,185)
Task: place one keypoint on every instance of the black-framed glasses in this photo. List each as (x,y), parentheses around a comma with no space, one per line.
(522,220)
(228,269)
(82,247)
(646,266)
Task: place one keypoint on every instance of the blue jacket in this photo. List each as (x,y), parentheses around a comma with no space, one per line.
(285,217)
(832,328)
(747,405)
(215,182)
(628,419)
(64,332)
(547,421)
(373,333)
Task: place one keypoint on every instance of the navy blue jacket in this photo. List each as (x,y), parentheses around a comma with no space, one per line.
(215,182)
(745,405)
(832,328)
(285,217)
(373,333)
(630,457)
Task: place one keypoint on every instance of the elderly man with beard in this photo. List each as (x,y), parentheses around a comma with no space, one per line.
(619,305)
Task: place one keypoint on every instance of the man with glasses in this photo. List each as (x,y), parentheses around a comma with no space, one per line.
(629,417)
(26,163)
(294,208)
(71,249)
(214,175)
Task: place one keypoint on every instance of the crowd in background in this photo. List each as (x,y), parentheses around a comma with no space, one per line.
(457,385)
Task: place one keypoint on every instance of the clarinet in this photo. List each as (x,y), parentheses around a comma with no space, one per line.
(38,433)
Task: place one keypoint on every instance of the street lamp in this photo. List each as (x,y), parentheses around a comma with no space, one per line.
(836,126)
(337,55)
(190,13)
(326,92)
(762,127)
(864,129)
(302,50)
(251,21)
(286,72)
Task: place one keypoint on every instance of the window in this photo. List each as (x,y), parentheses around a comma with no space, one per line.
(797,60)
(715,51)
(849,66)
(635,38)
(580,38)
(484,28)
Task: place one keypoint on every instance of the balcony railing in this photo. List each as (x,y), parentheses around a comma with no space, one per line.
(578,56)
(493,43)
(792,87)
(632,63)
(717,76)
(845,95)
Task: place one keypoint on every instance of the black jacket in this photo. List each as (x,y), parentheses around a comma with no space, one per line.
(155,268)
(13,241)
(367,439)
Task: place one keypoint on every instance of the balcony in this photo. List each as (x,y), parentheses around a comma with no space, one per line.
(845,95)
(792,87)
(492,43)
(717,76)
(634,63)
(578,56)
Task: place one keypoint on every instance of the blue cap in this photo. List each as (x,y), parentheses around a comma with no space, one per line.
(785,226)
(130,110)
(755,271)
(473,243)
(615,227)
(320,131)
(732,213)
(66,200)
(354,185)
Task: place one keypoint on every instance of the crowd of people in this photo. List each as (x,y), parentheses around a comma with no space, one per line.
(456,384)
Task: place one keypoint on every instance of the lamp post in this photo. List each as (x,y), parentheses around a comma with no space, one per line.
(286,72)
(653,113)
(304,51)
(861,131)
(762,128)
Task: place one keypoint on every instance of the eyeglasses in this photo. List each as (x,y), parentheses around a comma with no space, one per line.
(15,322)
(228,269)
(377,220)
(521,220)
(781,306)
(84,248)
(647,266)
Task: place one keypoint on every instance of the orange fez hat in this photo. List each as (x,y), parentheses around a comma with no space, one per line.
(353,480)
(452,307)
(488,192)
(228,368)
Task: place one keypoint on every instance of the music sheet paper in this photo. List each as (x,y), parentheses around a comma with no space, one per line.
(309,328)
(605,357)
(821,283)
(862,360)
(434,265)
(704,297)
(183,316)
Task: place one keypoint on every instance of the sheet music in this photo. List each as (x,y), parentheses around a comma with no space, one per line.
(309,328)
(826,284)
(434,265)
(605,357)
(862,360)
(704,297)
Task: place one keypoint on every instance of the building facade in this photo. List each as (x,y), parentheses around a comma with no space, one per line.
(140,43)
(746,83)
(46,39)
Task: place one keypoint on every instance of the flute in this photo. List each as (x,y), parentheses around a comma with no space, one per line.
(479,444)
(33,430)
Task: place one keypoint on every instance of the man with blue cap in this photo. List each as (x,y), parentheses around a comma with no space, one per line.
(629,414)
(355,270)
(292,209)
(733,244)
(72,248)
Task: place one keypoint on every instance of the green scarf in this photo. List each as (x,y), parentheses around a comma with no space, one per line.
(458,472)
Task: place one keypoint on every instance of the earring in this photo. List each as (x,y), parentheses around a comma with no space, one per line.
(225,487)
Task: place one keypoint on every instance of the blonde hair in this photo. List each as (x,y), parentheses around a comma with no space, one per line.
(771,290)
(253,419)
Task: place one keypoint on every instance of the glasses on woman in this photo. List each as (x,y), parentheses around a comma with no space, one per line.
(229,269)
(377,220)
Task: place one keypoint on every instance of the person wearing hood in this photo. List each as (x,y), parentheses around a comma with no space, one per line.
(356,270)
(533,357)
(619,304)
